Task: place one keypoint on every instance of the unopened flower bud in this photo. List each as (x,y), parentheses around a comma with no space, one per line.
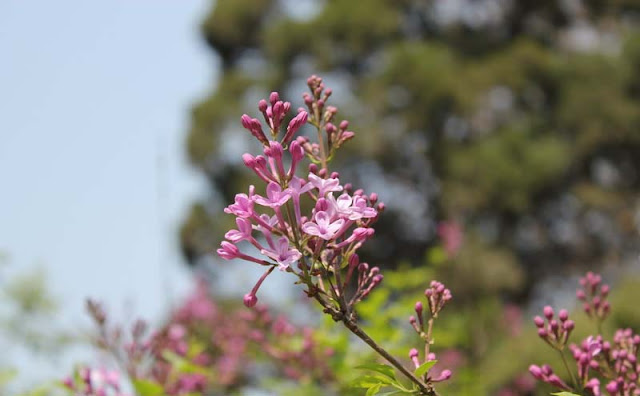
(612,387)
(418,308)
(536,372)
(250,300)
(273,98)
(262,105)
(344,124)
(538,321)
(568,325)
(444,375)
(548,312)
(563,315)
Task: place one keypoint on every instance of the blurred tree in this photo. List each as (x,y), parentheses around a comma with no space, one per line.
(518,119)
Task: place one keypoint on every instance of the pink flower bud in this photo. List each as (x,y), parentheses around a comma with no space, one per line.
(262,105)
(563,315)
(228,251)
(274,97)
(612,388)
(568,325)
(297,152)
(444,375)
(539,322)
(418,308)
(344,124)
(354,260)
(250,300)
(536,372)
(249,160)
(330,128)
(413,353)
(548,312)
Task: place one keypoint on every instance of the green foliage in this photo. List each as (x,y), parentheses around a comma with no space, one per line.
(147,388)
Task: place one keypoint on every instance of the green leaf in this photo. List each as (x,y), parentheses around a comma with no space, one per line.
(373,390)
(147,388)
(367,381)
(563,393)
(424,367)
(379,368)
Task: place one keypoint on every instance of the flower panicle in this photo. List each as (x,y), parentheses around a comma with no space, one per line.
(599,365)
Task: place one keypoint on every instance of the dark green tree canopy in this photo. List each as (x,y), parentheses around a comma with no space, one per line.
(520,120)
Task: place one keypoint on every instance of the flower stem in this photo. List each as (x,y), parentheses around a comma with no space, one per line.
(566,366)
(355,329)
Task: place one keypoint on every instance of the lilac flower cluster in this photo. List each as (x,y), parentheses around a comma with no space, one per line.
(317,244)
(593,294)
(311,224)
(95,382)
(597,361)
(556,331)
(437,296)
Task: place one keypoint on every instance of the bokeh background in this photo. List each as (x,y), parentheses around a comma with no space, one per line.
(504,137)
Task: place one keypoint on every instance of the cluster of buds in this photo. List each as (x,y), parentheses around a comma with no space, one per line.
(622,360)
(437,296)
(593,293)
(368,278)
(323,117)
(94,382)
(545,373)
(318,245)
(554,332)
(595,359)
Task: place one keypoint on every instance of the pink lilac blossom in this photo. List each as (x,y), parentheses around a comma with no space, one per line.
(335,228)
(323,226)
(595,358)
(283,254)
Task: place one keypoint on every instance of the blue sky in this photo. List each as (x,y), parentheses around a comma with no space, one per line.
(94,108)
